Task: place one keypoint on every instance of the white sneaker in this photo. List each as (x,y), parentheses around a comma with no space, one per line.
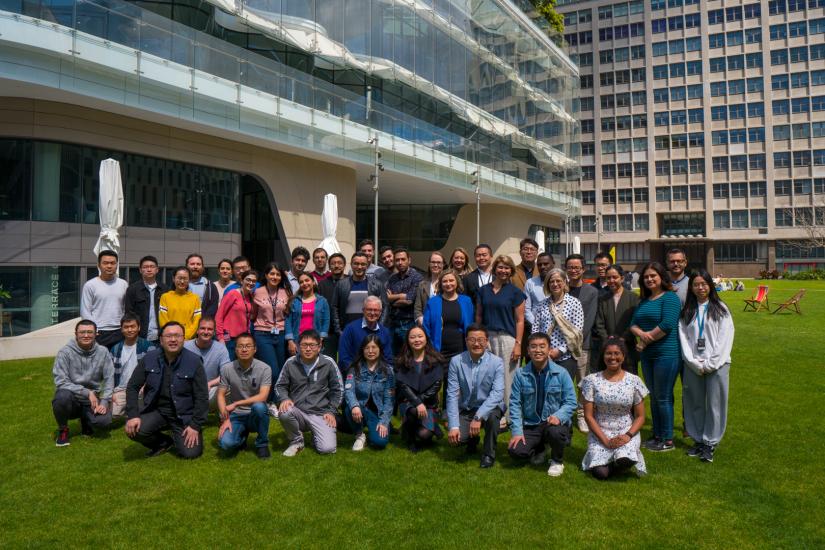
(583,428)
(273,410)
(556,469)
(360,441)
(294,449)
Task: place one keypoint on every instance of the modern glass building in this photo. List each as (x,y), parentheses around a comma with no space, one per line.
(703,127)
(232,120)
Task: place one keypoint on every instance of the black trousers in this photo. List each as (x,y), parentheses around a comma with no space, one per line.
(109,338)
(490,427)
(152,424)
(67,405)
(536,437)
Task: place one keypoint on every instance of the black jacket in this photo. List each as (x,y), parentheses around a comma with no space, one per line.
(136,301)
(326,288)
(416,388)
(340,297)
(471,286)
(211,298)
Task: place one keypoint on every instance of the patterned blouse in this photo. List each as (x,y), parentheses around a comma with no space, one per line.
(572,310)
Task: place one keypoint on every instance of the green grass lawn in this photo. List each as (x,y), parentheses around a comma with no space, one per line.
(765,489)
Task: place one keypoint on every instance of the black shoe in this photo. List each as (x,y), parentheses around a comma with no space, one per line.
(652,442)
(62,439)
(157,451)
(414,448)
(86,429)
(263,452)
(696,450)
(487,461)
(472,448)
(662,446)
(707,453)
(242,446)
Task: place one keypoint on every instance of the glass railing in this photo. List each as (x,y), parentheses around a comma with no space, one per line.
(219,78)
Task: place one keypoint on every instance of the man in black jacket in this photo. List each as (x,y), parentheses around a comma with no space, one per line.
(337,264)
(350,293)
(482,274)
(175,396)
(143,299)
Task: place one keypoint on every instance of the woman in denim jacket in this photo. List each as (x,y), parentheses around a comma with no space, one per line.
(307,310)
(369,393)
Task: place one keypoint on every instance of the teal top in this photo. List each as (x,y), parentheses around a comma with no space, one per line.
(663,312)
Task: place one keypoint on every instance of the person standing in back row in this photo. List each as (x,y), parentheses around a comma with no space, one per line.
(205,290)
(677,269)
(401,289)
(102,300)
(482,274)
(589,298)
(143,299)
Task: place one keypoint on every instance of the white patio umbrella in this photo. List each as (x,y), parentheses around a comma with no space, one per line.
(329,224)
(577,245)
(111,206)
(540,239)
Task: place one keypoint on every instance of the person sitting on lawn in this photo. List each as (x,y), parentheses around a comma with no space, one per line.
(246,382)
(475,395)
(310,391)
(542,403)
(125,357)
(175,396)
(369,392)
(84,378)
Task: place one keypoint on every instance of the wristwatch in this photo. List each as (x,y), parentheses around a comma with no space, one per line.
(476,419)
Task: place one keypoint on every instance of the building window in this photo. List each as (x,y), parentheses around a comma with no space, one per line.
(679,192)
(783,217)
(641,222)
(697,192)
(739,219)
(625,222)
(588,197)
(721,219)
(738,190)
(735,252)
(662,194)
(759,218)
(721,190)
(782,187)
(758,189)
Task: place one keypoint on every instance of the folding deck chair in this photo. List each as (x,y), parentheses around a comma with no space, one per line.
(792,302)
(759,300)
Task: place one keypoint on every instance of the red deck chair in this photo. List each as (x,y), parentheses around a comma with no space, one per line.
(759,300)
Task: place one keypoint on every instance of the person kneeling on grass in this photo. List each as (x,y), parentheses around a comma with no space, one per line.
(246,381)
(310,390)
(82,370)
(125,357)
(542,403)
(369,392)
(175,396)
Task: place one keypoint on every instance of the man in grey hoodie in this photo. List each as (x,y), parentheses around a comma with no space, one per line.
(84,377)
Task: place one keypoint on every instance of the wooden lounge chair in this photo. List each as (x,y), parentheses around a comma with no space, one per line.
(792,302)
(759,300)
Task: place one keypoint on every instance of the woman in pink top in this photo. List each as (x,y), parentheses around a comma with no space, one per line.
(236,313)
(270,301)
(307,310)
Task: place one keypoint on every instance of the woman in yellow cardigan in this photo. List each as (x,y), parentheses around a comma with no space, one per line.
(181,305)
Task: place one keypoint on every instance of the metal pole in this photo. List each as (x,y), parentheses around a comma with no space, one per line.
(478,208)
(377,167)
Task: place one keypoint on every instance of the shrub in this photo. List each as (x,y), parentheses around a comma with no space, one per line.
(812,275)
(772,274)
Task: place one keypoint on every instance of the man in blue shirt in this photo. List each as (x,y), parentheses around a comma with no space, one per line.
(475,395)
(401,289)
(542,401)
(355,332)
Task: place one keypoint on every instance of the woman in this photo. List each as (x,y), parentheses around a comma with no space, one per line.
(615,313)
(500,308)
(181,304)
(561,316)
(369,395)
(307,310)
(655,323)
(269,302)
(418,373)
(447,315)
(614,410)
(236,312)
(706,337)
(460,262)
(429,286)
(224,277)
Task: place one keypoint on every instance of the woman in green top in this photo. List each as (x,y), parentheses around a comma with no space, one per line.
(655,323)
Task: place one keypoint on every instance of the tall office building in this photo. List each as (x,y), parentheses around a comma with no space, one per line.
(233,118)
(703,127)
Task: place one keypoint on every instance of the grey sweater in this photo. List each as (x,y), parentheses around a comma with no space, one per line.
(318,391)
(102,302)
(79,371)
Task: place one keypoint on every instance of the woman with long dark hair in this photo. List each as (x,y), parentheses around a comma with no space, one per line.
(224,277)
(656,324)
(368,395)
(615,313)
(706,335)
(419,369)
(307,310)
(270,311)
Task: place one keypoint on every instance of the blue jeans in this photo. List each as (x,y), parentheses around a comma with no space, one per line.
(256,421)
(399,335)
(660,378)
(372,422)
(230,348)
(272,351)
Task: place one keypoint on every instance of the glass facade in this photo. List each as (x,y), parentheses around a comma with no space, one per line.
(419,227)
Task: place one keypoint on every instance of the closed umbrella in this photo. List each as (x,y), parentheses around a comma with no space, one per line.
(111,206)
(540,239)
(329,224)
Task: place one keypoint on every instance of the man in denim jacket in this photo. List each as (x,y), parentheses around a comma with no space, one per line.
(542,402)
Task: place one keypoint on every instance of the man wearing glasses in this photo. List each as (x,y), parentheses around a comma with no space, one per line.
(526,270)
(677,268)
(175,397)
(310,391)
(589,298)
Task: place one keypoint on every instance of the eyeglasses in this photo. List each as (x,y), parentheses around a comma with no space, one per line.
(85,333)
(309,345)
(173,336)
(245,346)
(573,268)
(477,340)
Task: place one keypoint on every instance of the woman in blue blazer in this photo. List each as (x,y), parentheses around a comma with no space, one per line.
(447,315)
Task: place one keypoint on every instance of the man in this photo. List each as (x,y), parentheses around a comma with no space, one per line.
(125,356)
(143,299)
(83,378)
(355,332)
(319,261)
(603,260)
(475,396)
(589,298)
(534,289)
(200,285)
(527,269)
(240,265)
(401,289)
(102,299)
(213,354)
(326,288)
(387,257)
(300,259)
(175,397)
(677,268)
(246,382)
(310,390)
(350,293)
(368,247)
(542,402)
(482,274)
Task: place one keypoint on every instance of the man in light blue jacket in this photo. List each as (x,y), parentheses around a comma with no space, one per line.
(542,401)
(475,395)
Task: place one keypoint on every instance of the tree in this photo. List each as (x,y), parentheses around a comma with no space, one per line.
(811,221)
(547,9)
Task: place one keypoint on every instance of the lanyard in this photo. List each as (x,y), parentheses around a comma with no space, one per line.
(700,319)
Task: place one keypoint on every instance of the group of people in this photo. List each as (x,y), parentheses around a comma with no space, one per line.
(452,351)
